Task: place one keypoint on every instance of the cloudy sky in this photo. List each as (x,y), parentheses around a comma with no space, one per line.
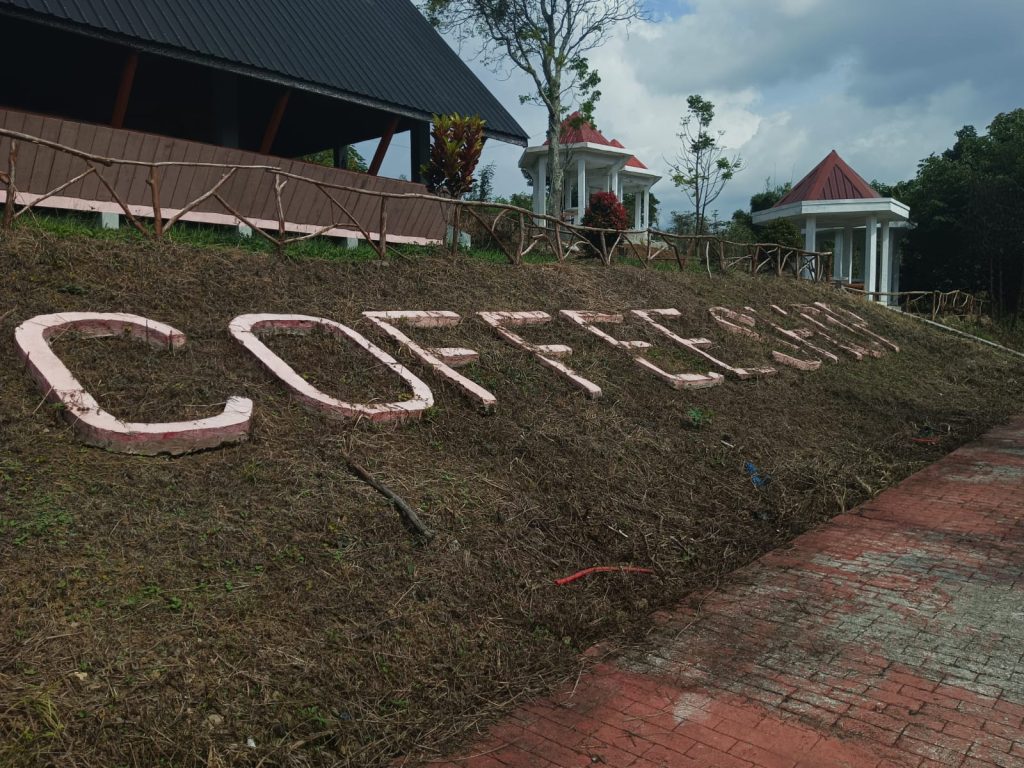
(884,82)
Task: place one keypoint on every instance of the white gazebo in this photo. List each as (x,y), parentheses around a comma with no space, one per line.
(835,198)
(592,164)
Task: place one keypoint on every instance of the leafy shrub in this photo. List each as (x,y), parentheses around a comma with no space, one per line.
(604,212)
(455,149)
(454,154)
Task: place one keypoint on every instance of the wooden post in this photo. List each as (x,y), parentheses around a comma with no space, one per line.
(382,147)
(154,185)
(124,90)
(384,227)
(12,192)
(274,123)
(278,186)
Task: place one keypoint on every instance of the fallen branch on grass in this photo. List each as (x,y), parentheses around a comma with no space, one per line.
(602,569)
(409,515)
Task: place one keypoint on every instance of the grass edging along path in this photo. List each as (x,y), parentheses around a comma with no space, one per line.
(177,610)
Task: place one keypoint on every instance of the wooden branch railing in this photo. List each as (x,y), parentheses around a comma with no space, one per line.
(516,231)
(932,303)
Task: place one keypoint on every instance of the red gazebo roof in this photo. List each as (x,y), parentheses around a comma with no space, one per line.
(831,179)
(578,131)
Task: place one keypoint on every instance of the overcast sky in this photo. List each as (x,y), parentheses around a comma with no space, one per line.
(884,82)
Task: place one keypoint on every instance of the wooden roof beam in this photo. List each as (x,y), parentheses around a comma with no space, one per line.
(382,147)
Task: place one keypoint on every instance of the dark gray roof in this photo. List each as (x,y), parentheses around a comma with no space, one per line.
(381,53)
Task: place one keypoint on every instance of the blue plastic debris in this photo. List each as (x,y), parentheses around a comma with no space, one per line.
(759,480)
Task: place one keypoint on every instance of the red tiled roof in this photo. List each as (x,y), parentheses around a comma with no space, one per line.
(586,132)
(831,179)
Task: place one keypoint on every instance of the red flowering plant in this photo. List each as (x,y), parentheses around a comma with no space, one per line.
(604,211)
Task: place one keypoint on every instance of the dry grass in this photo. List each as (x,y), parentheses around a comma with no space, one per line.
(163,612)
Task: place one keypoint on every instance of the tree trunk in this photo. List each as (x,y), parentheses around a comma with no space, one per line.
(556,166)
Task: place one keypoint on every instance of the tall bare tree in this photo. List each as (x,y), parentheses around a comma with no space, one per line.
(701,168)
(549,41)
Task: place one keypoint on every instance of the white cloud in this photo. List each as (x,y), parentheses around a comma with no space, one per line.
(885,83)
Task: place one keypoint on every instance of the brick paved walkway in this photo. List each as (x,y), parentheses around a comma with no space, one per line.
(893,636)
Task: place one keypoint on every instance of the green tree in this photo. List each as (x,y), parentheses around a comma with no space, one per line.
(967,207)
(483,186)
(773,192)
(701,168)
(518,199)
(548,40)
(353,160)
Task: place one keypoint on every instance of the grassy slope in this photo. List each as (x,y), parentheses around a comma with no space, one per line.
(160,612)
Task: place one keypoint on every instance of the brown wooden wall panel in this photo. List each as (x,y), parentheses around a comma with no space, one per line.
(100,145)
(250,191)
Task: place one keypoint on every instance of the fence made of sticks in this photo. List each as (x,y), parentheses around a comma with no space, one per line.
(933,304)
(364,212)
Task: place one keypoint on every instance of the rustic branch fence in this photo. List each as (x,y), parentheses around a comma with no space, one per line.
(516,232)
(932,303)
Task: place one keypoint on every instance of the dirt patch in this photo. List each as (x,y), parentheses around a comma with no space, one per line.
(163,611)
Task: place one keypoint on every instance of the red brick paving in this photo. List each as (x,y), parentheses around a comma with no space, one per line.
(893,636)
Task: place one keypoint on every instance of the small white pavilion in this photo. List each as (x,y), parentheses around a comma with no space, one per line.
(592,164)
(834,198)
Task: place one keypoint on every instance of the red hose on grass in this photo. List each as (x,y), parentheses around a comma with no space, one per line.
(601,569)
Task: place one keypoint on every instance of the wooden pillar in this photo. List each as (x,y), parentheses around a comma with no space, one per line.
(225,108)
(124,90)
(341,156)
(382,147)
(270,133)
(419,149)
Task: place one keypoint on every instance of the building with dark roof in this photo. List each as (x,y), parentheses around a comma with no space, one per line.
(282,78)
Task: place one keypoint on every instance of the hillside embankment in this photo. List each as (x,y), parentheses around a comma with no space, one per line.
(260,604)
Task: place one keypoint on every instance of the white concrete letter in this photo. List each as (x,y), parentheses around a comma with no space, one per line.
(546,353)
(442,360)
(247,329)
(588,321)
(95,426)
(697,346)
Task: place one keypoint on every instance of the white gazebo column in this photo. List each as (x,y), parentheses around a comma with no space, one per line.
(848,254)
(871,256)
(885,273)
(810,244)
(581,185)
(838,256)
(646,223)
(540,183)
(637,212)
(894,279)
(614,181)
